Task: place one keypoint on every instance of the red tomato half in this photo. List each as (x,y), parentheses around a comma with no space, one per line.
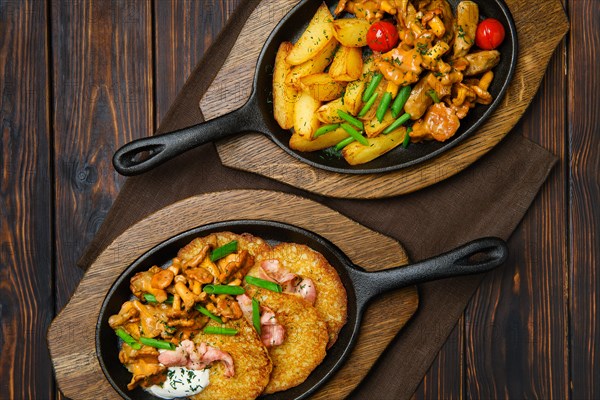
(490,34)
(382,36)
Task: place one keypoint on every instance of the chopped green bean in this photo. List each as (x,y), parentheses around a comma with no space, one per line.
(383,106)
(263,283)
(224,250)
(344,143)
(151,299)
(208,314)
(400,101)
(127,338)
(159,344)
(223,289)
(368,105)
(325,129)
(217,330)
(433,95)
(406,141)
(400,121)
(256,315)
(350,119)
(355,134)
(372,86)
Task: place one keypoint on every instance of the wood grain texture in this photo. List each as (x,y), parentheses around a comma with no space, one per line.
(519,314)
(584,197)
(26,302)
(71,336)
(256,153)
(186,29)
(103,86)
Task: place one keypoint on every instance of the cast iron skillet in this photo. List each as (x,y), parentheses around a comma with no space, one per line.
(257,114)
(361,287)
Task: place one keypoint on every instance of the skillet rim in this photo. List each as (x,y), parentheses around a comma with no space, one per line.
(268,118)
(354,310)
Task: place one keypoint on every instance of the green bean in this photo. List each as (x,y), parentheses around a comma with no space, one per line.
(344,143)
(400,101)
(400,121)
(208,314)
(433,95)
(372,86)
(256,315)
(355,134)
(383,106)
(224,250)
(263,283)
(217,330)
(159,344)
(325,129)
(350,119)
(407,137)
(223,289)
(368,105)
(151,299)
(127,338)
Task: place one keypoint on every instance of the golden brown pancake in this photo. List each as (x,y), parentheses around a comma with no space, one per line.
(331,301)
(250,359)
(305,339)
(246,241)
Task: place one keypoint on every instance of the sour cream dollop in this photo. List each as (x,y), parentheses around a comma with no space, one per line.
(181,382)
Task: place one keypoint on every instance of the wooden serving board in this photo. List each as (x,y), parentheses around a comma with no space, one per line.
(71,336)
(538,38)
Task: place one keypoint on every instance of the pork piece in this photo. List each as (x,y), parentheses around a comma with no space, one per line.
(419,100)
(401,66)
(273,270)
(190,356)
(481,62)
(440,123)
(271,332)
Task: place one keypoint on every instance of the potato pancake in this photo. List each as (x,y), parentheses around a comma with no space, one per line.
(251,362)
(331,301)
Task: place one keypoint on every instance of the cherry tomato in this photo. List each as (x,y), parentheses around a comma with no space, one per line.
(490,34)
(382,36)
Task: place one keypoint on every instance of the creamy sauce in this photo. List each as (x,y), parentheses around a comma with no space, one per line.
(181,382)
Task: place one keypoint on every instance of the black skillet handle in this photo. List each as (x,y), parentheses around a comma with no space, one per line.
(474,257)
(160,148)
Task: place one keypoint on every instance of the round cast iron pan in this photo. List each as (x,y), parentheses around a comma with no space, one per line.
(361,287)
(257,114)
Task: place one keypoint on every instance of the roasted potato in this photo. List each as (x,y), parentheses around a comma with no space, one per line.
(314,39)
(356,153)
(347,64)
(315,65)
(322,87)
(284,96)
(328,113)
(305,115)
(374,127)
(329,139)
(351,32)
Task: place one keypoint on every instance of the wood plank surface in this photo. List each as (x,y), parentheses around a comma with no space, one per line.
(584,197)
(384,317)
(26,293)
(103,99)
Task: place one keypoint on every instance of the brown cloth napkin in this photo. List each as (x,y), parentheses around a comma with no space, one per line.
(489,198)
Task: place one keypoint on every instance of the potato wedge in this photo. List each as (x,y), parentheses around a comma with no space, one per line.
(351,32)
(305,115)
(355,153)
(328,113)
(284,95)
(316,36)
(353,96)
(347,64)
(374,127)
(313,66)
(322,87)
(329,139)
(373,110)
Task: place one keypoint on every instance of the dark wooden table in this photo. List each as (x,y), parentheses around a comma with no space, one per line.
(80,78)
